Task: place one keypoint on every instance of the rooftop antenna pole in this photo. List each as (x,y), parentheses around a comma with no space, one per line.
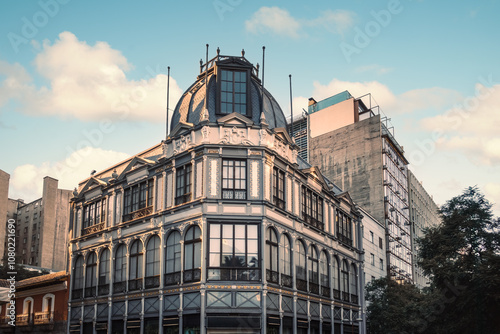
(168,91)
(206,80)
(291,107)
(262,93)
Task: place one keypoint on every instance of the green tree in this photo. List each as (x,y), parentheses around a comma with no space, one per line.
(462,258)
(394,307)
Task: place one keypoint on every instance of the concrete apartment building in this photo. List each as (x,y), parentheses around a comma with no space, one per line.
(220,228)
(41,226)
(354,146)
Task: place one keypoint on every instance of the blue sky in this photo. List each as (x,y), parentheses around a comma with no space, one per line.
(82,83)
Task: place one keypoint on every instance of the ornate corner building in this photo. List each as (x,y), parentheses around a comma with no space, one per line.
(220,228)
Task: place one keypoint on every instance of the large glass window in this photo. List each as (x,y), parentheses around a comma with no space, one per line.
(138,200)
(345,281)
(104,272)
(135,269)
(120,274)
(279,188)
(286,261)
(313,270)
(183,184)
(91,275)
(192,254)
(234,179)
(335,278)
(78,278)
(300,266)
(312,208)
(233,92)
(173,259)
(94,214)
(153,262)
(353,280)
(343,226)
(272,256)
(324,275)
(234,252)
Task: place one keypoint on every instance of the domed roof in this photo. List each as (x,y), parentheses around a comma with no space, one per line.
(190,107)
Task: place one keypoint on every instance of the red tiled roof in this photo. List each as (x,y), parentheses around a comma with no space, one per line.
(42,279)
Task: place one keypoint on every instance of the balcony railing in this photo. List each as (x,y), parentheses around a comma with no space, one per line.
(138,213)
(313,221)
(280,203)
(354,299)
(119,287)
(103,289)
(4,321)
(345,296)
(77,294)
(183,199)
(135,284)
(23,319)
(192,275)
(286,280)
(272,276)
(344,239)
(44,318)
(234,274)
(172,278)
(301,284)
(152,282)
(93,229)
(90,291)
(336,294)
(325,291)
(314,288)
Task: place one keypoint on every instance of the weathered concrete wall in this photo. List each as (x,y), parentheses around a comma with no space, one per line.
(4,199)
(352,158)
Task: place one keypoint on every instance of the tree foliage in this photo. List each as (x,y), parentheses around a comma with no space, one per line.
(462,257)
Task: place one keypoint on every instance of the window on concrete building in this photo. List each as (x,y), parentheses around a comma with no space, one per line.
(324,274)
(173,259)
(300,265)
(153,262)
(371,237)
(354,283)
(234,179)
(272,274)
(381,264)
(192,254)
(135,266)
(343,226)
(138,200)
(234,252)
(233,92)
(345,281)
(380,243)
(78,278)
(335,277)
(183,184)
(313,264)
(372,259)
(279,188)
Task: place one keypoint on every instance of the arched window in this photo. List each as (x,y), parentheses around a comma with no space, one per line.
(286,261)
(153,262)
(173,259)
(300,266)
(120,269)
(272,256)
(313,270)
(345,281)
(48,307)
(335,277)
(104,272)
(192,254)
(28,306)
(78,278)
(324,277)
(136,259)
(353,280)
(91,275)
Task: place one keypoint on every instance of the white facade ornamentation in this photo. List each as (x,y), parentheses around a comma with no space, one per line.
(235,137)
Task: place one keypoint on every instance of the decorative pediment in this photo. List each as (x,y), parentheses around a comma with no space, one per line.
(346,198)
(234,61)
(283,135)
(181,127)
(316,174)
(91,183)
(134,164)
(235,119)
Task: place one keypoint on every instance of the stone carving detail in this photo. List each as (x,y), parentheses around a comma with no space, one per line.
(182,144)
(263,136)
(235,137)
(280,147)
(205,132)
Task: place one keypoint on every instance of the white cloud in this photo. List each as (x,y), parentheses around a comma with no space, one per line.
(280,22)
(274,20)
(27,180)
(16,81)
(88,83)
(471,127)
